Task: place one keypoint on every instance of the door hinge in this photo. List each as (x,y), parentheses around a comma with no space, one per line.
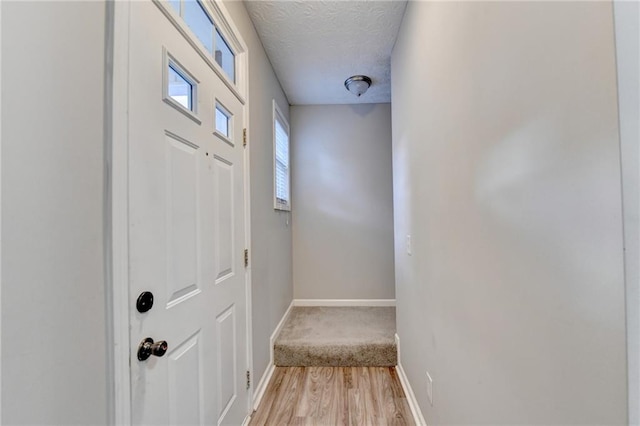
(246,258)
(248,379)
(244,137)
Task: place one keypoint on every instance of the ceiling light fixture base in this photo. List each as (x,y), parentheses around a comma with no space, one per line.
(357,84)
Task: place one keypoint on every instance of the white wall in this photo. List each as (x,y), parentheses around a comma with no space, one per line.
(272,287)
(627,25)
(342,202)
(53,299)
(507,174)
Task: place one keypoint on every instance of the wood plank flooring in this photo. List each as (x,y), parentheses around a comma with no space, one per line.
(333,396)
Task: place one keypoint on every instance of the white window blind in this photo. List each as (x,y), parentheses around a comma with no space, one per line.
(282,190)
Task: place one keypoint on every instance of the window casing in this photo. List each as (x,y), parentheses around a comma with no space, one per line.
(202,25)
(281,161)
(223,121)
(180,87)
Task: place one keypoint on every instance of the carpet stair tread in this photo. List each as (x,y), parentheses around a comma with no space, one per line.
(337,337)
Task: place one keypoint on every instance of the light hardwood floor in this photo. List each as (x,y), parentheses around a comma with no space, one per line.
(333,396)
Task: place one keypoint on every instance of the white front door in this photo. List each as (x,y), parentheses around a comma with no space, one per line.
(186,229)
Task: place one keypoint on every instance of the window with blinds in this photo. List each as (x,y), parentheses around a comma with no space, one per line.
(281,166)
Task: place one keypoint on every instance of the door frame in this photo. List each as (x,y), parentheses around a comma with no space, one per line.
(117,192)
(0,221)
(626,22)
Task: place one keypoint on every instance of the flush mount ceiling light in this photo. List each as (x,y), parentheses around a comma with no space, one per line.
(357,84)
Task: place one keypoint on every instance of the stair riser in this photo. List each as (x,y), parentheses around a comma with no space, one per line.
(336,356)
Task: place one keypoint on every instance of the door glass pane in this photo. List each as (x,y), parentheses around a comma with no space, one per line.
(225,57)
(180,90)
(222,121)
(176,5)
(199,22)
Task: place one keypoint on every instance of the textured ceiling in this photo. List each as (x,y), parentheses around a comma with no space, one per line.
(315,46)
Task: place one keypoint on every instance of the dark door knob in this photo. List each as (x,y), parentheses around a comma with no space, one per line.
(148,347)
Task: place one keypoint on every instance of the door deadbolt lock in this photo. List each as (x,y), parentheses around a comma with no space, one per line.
(148,347)
(144,302)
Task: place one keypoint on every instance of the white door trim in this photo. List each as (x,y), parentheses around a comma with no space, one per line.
(626,23)
(243,70)
(119,178)
(247,277)
(247,243)
(0,220)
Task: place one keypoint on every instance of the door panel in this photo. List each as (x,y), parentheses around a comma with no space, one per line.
(224,219)
(227,368)
(185,382)
(186,234)
(182,223)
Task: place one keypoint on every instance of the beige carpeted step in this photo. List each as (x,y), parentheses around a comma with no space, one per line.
(337,337)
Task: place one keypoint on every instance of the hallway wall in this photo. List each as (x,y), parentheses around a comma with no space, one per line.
(342,202)
(54,349)
(507,175)
(272,288)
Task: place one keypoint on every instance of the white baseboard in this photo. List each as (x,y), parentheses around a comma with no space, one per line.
(406,386)
(264,380)
(247,419)
(276,331)
(262,386)
(344,302)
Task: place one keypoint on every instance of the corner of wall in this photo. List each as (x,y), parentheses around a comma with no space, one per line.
(408,390)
